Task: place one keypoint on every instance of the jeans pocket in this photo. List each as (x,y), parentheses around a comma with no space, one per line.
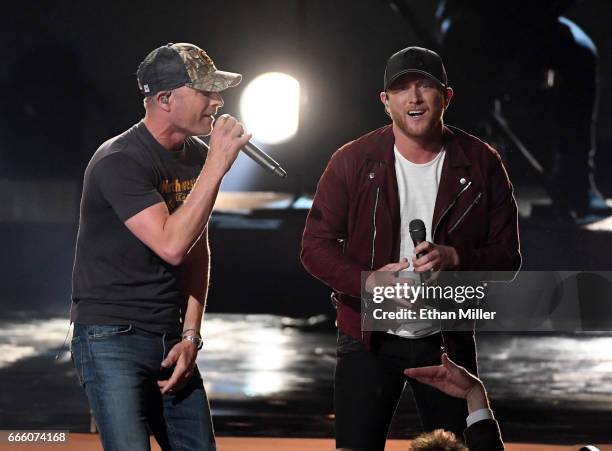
(100,332)
(76,354)
(346,344)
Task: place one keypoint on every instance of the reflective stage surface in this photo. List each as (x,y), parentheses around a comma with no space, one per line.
(265,377)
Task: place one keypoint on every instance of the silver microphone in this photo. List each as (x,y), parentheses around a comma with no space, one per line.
(263,159)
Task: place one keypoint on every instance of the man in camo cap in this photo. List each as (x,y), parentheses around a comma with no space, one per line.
(142,258)
(182,64)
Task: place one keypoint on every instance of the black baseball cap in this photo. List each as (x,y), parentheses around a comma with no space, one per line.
(174,65)
(415,60)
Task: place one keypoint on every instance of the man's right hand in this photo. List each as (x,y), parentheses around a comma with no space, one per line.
(387,276)
(454,380)
(226,140)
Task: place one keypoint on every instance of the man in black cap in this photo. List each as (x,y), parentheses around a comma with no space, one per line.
(372,188)
(142,259)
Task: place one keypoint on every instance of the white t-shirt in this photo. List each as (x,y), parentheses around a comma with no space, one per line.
(417,185)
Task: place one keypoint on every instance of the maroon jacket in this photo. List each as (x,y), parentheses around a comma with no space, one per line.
(354,222)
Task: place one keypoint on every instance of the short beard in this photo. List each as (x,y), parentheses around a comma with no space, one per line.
(432,129)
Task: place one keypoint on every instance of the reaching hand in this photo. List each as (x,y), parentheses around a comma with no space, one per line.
(454,380)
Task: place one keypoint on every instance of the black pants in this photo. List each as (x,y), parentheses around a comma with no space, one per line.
(369,383)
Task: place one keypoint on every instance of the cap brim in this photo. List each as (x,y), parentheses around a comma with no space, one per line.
(218,81)
(413,71)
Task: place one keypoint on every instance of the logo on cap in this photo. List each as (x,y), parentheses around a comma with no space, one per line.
(207,59)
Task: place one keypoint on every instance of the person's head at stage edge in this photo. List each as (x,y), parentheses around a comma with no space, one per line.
(182,90)
(416,94)
(438,440)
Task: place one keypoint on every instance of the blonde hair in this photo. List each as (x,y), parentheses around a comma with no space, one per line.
(438,440)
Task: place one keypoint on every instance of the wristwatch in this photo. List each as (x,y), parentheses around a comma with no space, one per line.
(195,340)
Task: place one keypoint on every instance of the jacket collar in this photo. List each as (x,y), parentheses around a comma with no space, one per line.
(453,171)
(382,148)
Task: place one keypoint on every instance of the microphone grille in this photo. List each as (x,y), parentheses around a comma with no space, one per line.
(417,230)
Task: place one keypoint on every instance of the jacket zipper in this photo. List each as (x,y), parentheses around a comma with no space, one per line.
(374,224)
(446,210)
(372,259)
(433,237)
(467,210)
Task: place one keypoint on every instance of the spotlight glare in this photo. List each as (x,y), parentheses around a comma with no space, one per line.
(270,106)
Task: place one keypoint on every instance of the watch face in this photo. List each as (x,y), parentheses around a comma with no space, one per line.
(195,340)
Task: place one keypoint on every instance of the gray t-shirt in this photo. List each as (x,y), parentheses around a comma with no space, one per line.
(117,279)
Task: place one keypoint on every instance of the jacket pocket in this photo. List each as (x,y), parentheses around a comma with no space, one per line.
(465,212)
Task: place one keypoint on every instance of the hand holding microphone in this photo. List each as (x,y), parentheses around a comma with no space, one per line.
(229,135)
(430,257)
(226,140)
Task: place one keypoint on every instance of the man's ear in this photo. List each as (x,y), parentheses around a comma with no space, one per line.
(384,98)
(448,95)
(163,100)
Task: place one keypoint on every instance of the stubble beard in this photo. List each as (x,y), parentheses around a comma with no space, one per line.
(419,132)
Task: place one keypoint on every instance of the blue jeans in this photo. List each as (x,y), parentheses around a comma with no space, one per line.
(119,366)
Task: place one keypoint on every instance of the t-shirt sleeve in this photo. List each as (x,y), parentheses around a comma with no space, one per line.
(126,185)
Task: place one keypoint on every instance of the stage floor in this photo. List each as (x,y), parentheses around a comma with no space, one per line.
(267,380)
(90,442)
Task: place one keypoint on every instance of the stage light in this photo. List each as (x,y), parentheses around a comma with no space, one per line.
(270,106)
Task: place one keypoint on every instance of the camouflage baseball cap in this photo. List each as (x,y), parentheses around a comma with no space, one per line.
(174,65)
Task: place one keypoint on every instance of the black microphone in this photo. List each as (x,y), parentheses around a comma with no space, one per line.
(417,233)
(263,159)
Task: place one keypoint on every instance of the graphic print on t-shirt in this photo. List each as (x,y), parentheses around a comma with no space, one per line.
(175,192)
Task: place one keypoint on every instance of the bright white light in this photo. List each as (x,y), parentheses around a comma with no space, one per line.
(270,107)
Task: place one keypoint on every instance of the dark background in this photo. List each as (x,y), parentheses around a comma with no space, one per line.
(68,83)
